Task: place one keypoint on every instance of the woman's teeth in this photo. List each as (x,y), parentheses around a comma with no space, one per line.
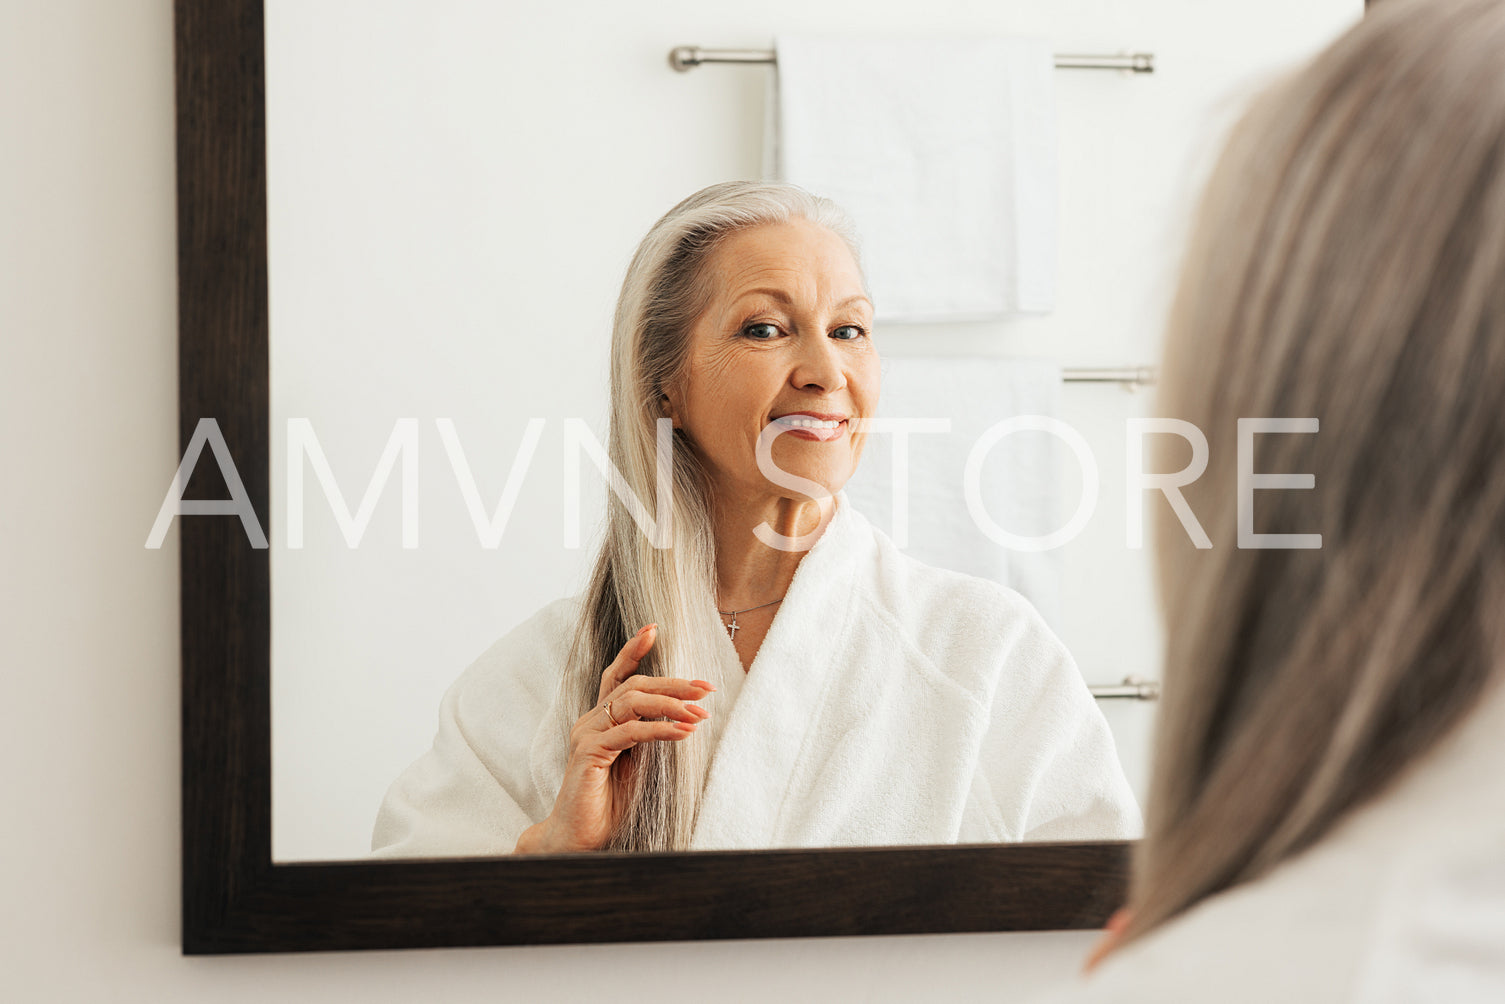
(799,422)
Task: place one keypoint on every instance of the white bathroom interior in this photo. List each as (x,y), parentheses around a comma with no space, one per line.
(455,190)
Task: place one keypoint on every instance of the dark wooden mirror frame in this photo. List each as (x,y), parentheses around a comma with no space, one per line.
(235,899)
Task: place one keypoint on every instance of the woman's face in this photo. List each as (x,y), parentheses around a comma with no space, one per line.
(785,341)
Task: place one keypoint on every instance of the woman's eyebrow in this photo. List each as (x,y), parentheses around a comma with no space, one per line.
(783,297)
(775,294)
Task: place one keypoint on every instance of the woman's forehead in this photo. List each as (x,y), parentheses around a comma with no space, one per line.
(775,260)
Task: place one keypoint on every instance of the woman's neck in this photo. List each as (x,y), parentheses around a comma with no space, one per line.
(750,572)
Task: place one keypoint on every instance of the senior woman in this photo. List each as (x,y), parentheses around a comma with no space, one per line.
(1326,820)
(779,675)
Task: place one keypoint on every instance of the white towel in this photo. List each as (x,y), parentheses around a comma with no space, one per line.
(944,153)
(1021,476)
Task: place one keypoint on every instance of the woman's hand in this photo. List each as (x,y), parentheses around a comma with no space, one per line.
(590,800)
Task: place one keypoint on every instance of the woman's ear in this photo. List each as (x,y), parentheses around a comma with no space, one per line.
(667,406)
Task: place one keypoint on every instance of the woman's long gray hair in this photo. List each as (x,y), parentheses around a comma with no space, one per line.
(667,288)
(1347,264)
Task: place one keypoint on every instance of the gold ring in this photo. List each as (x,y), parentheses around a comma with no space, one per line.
(609,716)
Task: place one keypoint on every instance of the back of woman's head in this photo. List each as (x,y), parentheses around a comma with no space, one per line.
(1347,264)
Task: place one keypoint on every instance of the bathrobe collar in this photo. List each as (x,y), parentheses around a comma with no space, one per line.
(770,720)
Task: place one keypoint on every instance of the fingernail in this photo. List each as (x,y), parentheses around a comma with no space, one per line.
(684,726)
(645,627)
(696,709)
(702,684)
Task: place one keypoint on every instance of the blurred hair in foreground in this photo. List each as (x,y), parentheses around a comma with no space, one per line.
(1347,263)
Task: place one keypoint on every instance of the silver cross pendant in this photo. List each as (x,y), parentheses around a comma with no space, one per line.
(732,627)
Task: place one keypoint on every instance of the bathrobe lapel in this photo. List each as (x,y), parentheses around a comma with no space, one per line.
(773,720)
(844,732)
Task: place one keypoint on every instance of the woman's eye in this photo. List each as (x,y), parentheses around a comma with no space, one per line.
(761,332)
(852,331)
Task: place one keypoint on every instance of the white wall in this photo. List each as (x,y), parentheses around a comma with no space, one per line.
(455,190)
(89,624)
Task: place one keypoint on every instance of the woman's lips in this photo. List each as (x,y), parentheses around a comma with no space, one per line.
(818,428)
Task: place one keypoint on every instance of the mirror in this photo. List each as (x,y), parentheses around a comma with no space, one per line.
(396,283)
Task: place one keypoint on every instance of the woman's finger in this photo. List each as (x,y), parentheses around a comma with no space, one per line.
(626,662)
(667,686)
(637,704)
(630,734)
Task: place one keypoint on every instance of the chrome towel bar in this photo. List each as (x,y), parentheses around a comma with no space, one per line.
(1129,376)
(1133,688)
(685,57)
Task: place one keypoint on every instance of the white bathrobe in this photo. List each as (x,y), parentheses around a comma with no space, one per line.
(890,703)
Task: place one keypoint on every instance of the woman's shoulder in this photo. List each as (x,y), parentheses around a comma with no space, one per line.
(1342,922)
(526,664)
(1403,900)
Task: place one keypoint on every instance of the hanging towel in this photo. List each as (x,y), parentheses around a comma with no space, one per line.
(944,153)
(1020,479)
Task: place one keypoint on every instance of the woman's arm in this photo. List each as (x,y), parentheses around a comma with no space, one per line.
(489,774)
(457,799)
(1048,768)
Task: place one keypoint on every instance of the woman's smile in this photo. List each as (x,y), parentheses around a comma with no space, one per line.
(818,427)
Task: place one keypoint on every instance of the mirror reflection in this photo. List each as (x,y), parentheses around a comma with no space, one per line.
(757,666)
(845,642)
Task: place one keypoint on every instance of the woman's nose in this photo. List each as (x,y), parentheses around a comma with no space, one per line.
(818,366)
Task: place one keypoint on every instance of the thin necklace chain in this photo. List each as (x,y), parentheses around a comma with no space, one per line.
(733,627)
(748,610)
